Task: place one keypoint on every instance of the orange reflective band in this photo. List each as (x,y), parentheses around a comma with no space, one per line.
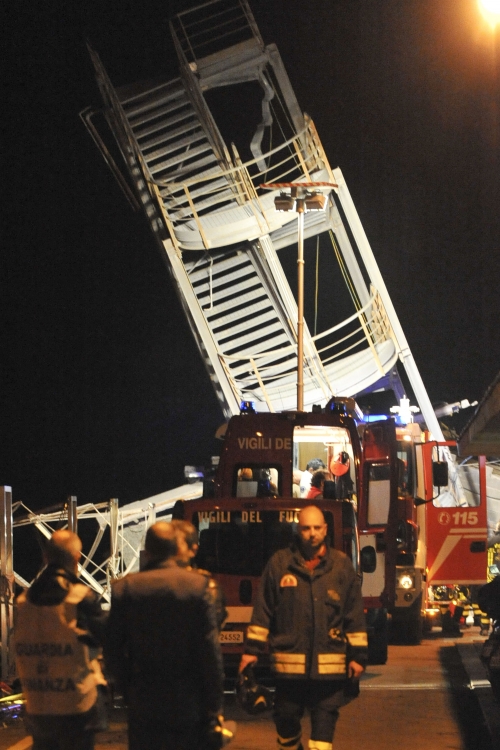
(331,658)
(290,743)
(257,633)
(289,663)
(331,663)
(357,639)
(318,745)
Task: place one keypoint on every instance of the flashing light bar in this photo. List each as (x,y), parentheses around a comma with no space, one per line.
(247,407)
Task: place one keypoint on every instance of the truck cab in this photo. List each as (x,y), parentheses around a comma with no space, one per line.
(249,508)
(412,529)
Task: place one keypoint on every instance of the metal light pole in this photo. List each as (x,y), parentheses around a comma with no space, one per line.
(300,306)
(302,197)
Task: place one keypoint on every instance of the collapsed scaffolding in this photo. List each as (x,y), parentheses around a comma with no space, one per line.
(113,538)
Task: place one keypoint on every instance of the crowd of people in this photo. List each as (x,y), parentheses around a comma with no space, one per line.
(310,484)
(159,644)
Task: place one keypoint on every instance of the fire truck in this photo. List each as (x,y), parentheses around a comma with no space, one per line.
(409,519)
(384,517)
(248,509)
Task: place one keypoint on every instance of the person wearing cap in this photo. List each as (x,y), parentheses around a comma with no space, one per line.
(308,615)
(58,630)
(305,479)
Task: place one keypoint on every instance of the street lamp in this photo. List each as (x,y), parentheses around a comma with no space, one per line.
(303,197)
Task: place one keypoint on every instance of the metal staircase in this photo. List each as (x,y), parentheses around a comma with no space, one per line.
(200,196)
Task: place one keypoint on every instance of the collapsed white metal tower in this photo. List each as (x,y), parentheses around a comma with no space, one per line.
(221,234)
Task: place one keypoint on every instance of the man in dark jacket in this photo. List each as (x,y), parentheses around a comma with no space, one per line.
(59,627)
(309,611)
(162,649)
(190,534)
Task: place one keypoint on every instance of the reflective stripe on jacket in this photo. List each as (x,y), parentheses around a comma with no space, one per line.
(56,671)
(312,621)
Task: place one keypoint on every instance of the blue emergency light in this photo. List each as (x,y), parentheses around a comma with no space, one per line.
(247,407)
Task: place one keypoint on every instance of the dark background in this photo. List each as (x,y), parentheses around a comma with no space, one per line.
(103,392)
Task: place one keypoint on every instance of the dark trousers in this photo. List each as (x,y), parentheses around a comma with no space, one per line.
(293,697)
(51,732)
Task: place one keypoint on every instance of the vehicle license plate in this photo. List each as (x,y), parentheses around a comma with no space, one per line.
(231,636)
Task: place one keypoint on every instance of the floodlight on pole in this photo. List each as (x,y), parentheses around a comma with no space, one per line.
(303,197)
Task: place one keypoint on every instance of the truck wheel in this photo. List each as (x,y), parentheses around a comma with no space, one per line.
(414,630)
(378,635)
(408,626)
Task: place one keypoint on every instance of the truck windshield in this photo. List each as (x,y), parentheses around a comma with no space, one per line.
(240,542)
(331,446)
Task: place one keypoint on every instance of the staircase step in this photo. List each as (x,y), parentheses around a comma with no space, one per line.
(203,286)
(179,159)
(212,173)
(257,341)
(189,170)
(253,329)
(255,296)
(170,114)
(216,186)
(173,146)
(155,101)
(263,362)
(186,115)
(165,135)
(221,196)
(240,288)
(134,93)
(198,270)
(270,366)
(228,320)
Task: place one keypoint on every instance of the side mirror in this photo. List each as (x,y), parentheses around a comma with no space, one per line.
(439,479)
(440,473)
(368,559)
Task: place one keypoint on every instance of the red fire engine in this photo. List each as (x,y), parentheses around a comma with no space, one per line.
(398,546)
(408,518)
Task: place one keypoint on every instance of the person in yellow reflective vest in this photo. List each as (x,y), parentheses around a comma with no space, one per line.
(58,631)
(309,613)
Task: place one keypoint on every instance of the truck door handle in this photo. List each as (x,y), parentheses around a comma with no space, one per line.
(479,546)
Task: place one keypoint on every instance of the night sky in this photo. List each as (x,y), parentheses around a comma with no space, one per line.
(103,392)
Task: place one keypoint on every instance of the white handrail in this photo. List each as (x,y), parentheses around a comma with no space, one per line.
(271,369)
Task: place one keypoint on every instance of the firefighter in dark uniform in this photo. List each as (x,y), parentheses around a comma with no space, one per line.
(309,611)
(162,649)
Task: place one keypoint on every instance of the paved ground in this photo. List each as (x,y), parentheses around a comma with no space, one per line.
(417,701)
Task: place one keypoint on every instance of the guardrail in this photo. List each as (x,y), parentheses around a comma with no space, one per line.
(239,185)
(272,370)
